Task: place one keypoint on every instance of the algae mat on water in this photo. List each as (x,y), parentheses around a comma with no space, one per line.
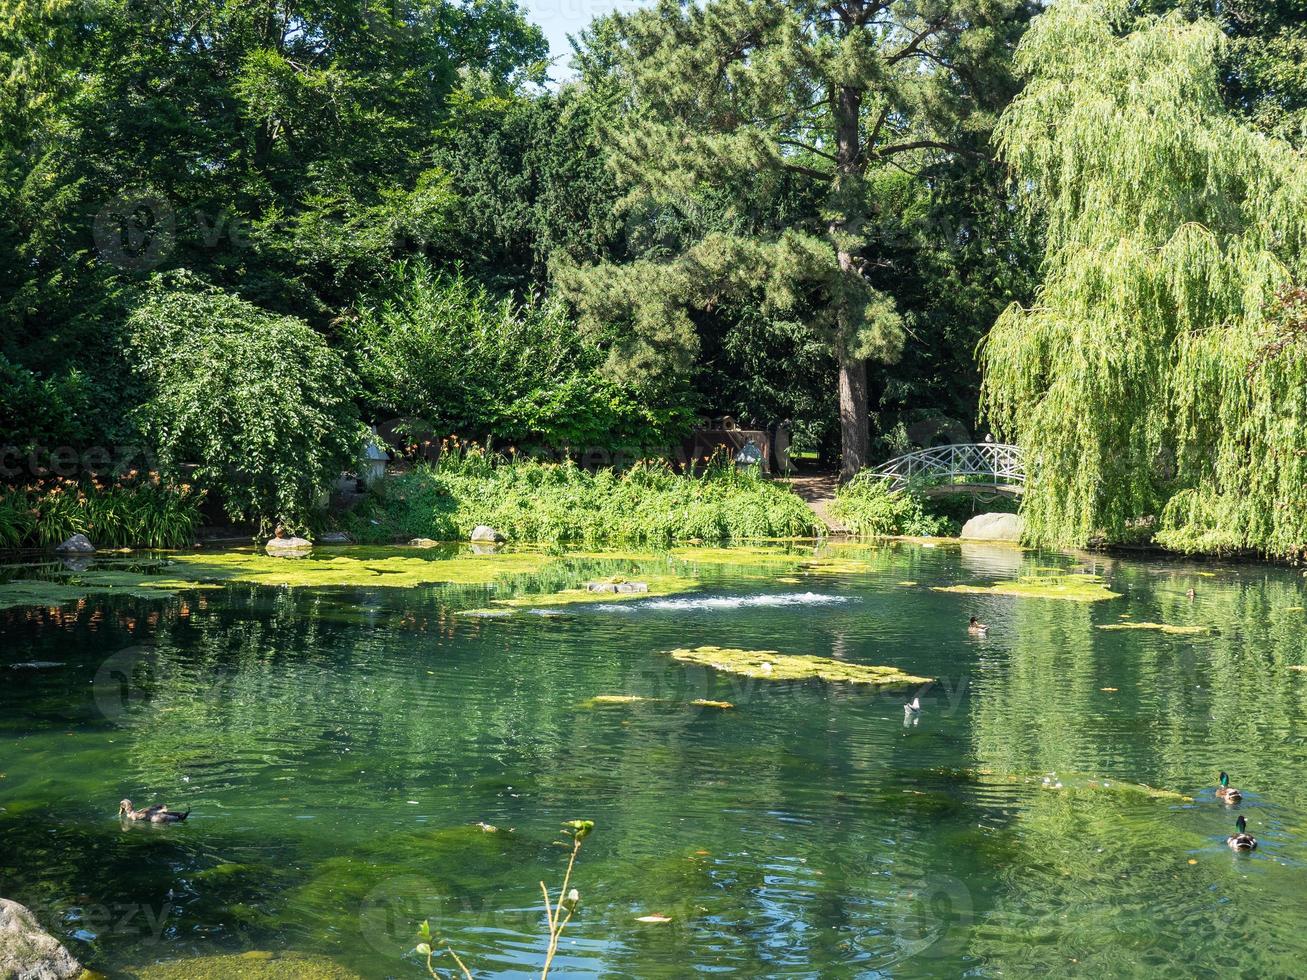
(1158,627)
(1074,587)
(772,665)
(658,585)
(247,966)
(46,592)
(392,571)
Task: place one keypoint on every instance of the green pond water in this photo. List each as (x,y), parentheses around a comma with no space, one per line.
(1050,811)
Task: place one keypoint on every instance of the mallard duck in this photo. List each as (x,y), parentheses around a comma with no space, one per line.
(158,813)
(1242,841)
(1227,792)
(977,627)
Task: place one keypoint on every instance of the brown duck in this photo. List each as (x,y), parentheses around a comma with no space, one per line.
(158,813)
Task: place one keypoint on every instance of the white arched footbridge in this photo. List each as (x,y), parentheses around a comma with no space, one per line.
(974,467)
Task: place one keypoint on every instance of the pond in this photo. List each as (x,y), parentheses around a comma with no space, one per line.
(359,758)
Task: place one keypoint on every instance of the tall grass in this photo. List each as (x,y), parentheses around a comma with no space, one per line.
(545,502)
(140,512)
(866,506)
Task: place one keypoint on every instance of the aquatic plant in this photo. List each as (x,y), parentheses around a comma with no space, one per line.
(535,501)
(558,911)
(1159,627)
(1076,587)
(774,666)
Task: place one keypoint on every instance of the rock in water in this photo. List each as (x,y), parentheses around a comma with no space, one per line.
(422,543)
(78,544)
(486,534)
(335,537)
(288,547)
(623,587)
(28,951)
(994,527)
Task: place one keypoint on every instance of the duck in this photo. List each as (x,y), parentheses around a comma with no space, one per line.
(158,813)
(1227,792)
(1190,595)
(1242,840)
(976,627)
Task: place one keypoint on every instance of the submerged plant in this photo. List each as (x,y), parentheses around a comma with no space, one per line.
(558,911)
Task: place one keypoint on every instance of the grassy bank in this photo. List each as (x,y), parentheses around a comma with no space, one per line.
(532,501)
(866,507)
(133,512)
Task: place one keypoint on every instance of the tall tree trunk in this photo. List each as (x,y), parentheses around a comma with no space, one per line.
(854,434)
(852,370)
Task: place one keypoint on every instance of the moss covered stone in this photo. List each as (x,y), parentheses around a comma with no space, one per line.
(774,666)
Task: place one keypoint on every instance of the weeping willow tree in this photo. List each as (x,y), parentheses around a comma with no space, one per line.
(1158,375)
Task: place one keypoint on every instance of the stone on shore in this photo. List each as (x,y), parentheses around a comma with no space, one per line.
(994,527)
(78,544)
(28,951)
(485,534)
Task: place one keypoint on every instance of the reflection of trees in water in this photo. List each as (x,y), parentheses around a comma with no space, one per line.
(1102,884)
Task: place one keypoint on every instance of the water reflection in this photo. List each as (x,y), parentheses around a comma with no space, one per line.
(340,747)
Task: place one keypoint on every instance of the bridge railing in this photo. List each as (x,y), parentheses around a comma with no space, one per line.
(997,463)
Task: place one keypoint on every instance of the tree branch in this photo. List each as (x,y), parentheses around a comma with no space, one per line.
(926,145)
(911,48)
(810,149)
(798,168)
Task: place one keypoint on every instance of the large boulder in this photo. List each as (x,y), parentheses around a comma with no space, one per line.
(288,547)
(29,952)
(78,544)
(994,527)
(485,534)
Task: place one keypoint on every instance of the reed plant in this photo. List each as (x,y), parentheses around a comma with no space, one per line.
(139,510)
(529,500)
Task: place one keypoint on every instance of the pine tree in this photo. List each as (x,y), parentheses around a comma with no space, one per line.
(763,126)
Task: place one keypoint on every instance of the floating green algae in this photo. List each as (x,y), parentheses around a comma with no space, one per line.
(386,570)
(255,965)
(658,585)
(81,585)
(1074,587)
(603,700)
(774,666)
(1159,627)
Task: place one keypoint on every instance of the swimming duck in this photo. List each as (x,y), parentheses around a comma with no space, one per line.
(158,813)
(1227,792)
(977,627)
(1242,841)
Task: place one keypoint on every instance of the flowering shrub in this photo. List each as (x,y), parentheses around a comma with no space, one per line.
(138,510)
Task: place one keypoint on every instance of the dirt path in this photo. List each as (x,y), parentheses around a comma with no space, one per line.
(818,492)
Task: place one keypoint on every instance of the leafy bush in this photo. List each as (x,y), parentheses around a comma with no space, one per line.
(866,505)
(259,403)
(536,501)
(136,512)
(441,350)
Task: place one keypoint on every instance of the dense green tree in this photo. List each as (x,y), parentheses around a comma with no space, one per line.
(1265,67)
(740,102)
(450,358)
(1154,374)
(281,149)
(257,404)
